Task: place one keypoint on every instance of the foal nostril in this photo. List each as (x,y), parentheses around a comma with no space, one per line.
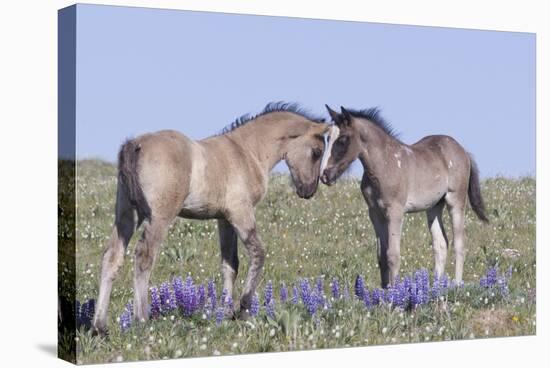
(310,190)
(300,190)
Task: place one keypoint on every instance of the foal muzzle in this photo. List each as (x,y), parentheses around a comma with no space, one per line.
(328,177)
(306,191)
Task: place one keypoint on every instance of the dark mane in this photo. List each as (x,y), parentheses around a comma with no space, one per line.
(373,115)
(269,108)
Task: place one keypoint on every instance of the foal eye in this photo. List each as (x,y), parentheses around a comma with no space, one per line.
(316,153)
(341,141)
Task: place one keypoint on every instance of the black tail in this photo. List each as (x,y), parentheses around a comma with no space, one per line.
(128,176)
(474,192)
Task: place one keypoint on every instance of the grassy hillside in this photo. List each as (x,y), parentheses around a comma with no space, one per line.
(329,235)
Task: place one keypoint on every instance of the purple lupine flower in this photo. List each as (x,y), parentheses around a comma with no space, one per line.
(376,296)
(211,294)
(491,279)
(126,317)
(311,305)
(335,288)
(392,293)
(229,303)
(320,284)
(189,297)
(317,299)
(492,276)
(84,313)
(425,285)
(359,287)
(294,298)
(164,292)
(421,295)
(255,305)
(87,310)
(220,315)
(308,299)
(407,282)
(155,302)
(401,294)
(418,275)
(444,283)
(177,285)
(167,300)
(270,309)
(320,292)
(223,297)
(283,294)
(387,295)
(304,290)
(502,284)
(201,296)
(367,299)
(269,302)
(268,293)
(194,294)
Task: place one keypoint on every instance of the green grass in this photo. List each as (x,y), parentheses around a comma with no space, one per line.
(328,235)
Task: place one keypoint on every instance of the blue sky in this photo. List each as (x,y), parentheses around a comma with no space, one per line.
(141,70)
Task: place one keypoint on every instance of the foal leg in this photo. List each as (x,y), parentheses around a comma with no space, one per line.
(393,252)
(245,224)
(229,251)
(457,205)
(113,257)
(381,230)
(439,238)
(146,252)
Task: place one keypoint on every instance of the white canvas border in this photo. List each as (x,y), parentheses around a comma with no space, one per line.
(28,121)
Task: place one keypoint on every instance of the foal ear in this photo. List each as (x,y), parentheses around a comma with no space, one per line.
(347,115)
(337,118)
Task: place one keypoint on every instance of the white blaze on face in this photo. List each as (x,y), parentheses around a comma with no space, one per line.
(330,137)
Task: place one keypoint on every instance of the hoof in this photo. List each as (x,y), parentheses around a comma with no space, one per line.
(100,331)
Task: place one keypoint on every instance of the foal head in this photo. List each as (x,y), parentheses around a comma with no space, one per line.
(344,147)
(303,156)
